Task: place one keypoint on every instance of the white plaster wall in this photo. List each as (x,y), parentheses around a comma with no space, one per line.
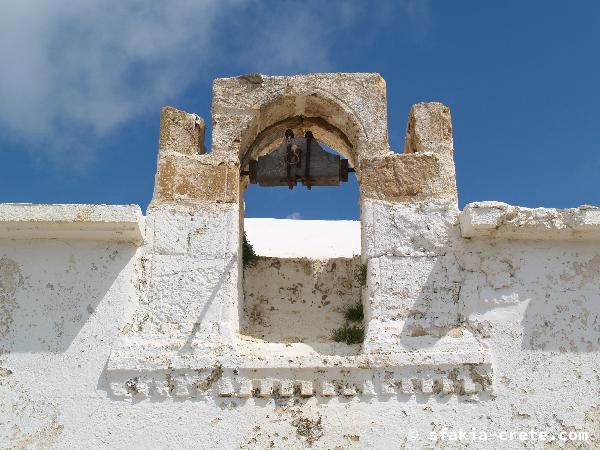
(537,306)
(64,305)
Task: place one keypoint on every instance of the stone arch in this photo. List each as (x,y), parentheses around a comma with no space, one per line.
(332,122)
(336,124)
(345,111)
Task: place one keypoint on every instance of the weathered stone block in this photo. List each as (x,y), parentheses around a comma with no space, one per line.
(408,178)
(168,228)
(298,300)
(230,131)
(181,132)
(205,230)
(408,229)
(429,129)
(215,231)
(184,178)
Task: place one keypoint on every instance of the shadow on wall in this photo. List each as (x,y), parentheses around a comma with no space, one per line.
(50,289)
(563,313)
(547,291)
(431,311)
(212,301)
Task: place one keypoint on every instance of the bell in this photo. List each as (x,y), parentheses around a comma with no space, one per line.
(299,159)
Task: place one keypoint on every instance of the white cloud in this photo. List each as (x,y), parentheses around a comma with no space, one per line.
(285,42)
(74,71)
(74,68)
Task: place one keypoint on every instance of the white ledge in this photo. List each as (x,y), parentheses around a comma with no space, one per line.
(426,366)
(122,223)
(500,220)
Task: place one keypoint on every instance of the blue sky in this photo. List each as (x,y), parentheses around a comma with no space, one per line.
(82,84)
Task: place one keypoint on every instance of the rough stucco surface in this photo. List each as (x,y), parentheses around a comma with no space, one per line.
(486,319)
(298,300)
(65,305)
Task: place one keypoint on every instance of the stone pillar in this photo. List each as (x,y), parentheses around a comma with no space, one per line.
(410,223)
(192,256)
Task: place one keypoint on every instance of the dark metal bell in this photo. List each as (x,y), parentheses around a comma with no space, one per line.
(299,159)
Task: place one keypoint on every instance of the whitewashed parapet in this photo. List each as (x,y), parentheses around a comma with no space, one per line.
(123,223)
(500,220)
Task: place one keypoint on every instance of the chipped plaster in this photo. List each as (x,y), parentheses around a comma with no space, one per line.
(486,318)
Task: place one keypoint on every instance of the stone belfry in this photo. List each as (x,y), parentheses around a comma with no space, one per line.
(125,330)
(193,291)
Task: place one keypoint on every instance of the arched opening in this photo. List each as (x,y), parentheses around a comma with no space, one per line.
(305,284)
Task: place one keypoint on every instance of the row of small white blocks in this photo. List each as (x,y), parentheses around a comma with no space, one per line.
(289,388)
(182,386)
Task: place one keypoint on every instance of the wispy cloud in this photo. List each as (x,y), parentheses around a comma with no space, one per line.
(73,69)
(419,15)
(294,216)
(73,72)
